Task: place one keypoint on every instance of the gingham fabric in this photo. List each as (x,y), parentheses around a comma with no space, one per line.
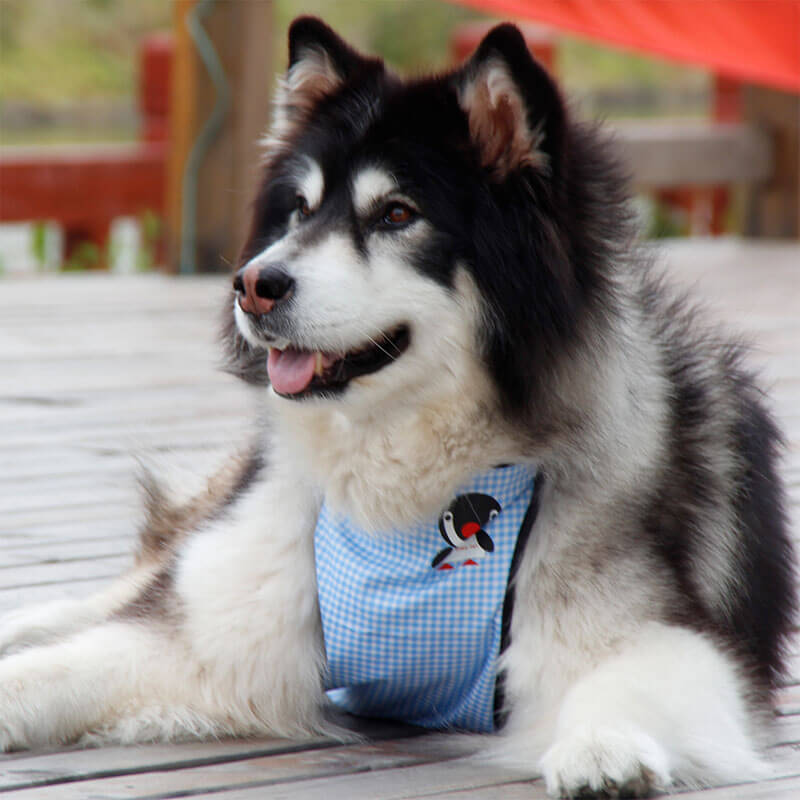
(411,641)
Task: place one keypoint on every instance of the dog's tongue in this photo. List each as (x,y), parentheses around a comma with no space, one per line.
(290,371)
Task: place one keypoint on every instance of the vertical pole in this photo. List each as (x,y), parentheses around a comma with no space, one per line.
(242,37)
(183,125)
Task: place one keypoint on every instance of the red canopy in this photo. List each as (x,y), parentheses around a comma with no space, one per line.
(753,40)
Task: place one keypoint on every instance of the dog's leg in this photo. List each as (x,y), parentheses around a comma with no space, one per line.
(55,693)
(233,646)
(668,706)
(46,622)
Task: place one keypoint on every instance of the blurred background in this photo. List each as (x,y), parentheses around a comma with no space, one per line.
(128,128)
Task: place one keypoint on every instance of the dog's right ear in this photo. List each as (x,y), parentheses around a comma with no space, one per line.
(320,61)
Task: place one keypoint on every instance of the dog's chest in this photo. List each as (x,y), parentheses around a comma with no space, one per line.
(413,619)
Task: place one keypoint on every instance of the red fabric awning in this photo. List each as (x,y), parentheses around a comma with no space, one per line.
(756,41)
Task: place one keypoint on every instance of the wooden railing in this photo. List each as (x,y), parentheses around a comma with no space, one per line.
(85,187)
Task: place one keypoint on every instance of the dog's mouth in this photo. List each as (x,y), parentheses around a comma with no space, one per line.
(296,373)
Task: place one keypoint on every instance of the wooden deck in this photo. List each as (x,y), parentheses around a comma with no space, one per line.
(97,368)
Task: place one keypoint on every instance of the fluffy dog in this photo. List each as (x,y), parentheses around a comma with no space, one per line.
(442,282)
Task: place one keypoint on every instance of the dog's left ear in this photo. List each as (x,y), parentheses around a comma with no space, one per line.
(515,112)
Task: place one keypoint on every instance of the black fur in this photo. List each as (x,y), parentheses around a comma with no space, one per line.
(709,380)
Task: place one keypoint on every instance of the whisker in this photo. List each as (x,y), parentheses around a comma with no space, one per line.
(382,349)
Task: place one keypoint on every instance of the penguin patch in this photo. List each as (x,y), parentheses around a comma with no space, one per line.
(462,527)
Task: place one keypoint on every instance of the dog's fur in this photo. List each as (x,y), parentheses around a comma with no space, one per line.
(654,596)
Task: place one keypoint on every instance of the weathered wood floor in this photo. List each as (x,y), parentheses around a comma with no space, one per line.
(94,369)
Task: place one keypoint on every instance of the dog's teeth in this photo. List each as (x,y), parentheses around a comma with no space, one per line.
(318,368)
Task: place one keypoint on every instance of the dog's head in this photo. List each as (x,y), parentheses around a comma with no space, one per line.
(407,232)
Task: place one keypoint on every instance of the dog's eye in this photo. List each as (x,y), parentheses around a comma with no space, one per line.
(303,209)
(397,215)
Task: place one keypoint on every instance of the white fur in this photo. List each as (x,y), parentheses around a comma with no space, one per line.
(312,76)
(371,185)
(311,183)
(666,704)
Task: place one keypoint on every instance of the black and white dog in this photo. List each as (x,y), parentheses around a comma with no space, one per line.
(441,282)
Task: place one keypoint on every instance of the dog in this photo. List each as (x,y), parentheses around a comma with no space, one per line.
(442,298)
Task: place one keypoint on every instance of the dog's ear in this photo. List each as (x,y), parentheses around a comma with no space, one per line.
(319,63)
(319,60)
(515,112)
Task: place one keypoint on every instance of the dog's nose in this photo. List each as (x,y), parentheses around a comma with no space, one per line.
(261,287)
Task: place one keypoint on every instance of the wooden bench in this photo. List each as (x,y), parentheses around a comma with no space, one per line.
(670,154)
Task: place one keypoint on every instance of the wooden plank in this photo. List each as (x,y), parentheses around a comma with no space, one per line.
(158,370)
(192,434)
(109,408)
(87,294)
(401,783)
(22,576)
(33,501)
(786,730)
(781,789)
(38,534)
(65,765)
(787,788)
(60,427)
(64,552)
(22,597)
(285,765)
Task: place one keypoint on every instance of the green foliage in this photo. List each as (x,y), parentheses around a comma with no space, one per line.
(665,222)
(415,35)
(57,50)
(85,255)
(10,14)
(151,226)
(583,65)
(412,35)
(53,51)
(39,243)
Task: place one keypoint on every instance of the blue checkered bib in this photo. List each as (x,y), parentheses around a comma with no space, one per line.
(413,619)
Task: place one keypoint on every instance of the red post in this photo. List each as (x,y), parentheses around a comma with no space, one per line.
(726,107)
(155,67)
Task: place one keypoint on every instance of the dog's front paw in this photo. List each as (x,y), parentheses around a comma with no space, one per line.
(605,761)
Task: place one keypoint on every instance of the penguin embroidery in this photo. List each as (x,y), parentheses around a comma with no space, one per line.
(461,526)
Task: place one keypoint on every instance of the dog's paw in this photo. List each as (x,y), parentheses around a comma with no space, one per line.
(605,761)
